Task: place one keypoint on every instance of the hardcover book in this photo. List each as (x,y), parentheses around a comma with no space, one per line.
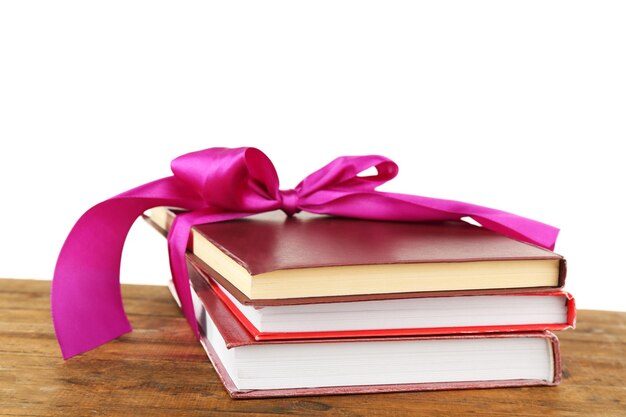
(271,256)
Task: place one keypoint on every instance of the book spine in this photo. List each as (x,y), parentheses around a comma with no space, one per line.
(562,273)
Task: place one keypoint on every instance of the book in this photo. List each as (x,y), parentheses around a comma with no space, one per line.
(419,315)
(272,256)
(250,368)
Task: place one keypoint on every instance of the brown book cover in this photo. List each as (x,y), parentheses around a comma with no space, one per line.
(235,335)
(272,241)
(274,245)
(243,299)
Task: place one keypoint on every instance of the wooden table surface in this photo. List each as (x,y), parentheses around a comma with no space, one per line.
(160,370)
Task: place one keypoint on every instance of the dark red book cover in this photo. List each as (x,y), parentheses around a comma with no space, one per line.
(272,241)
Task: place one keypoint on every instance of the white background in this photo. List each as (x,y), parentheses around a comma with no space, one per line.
(515,105)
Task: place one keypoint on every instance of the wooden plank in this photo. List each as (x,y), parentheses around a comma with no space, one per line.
(159,369)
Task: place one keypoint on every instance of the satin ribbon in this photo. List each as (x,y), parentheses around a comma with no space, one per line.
(220,184)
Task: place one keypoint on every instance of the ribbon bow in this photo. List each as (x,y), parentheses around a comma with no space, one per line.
(220,184)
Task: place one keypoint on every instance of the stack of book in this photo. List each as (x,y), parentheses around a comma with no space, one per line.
(311,304)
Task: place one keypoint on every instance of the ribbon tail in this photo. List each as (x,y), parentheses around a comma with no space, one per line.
(177,240)
(377,205)
(519,228)
(86,300)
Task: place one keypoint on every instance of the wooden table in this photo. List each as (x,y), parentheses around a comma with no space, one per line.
(160,370)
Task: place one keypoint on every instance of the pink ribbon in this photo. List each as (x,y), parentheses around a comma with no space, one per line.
(221,184)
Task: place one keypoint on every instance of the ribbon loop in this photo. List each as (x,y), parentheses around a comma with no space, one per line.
(343,174)
(239,179)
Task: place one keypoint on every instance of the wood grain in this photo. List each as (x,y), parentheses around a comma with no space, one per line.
(160,370)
